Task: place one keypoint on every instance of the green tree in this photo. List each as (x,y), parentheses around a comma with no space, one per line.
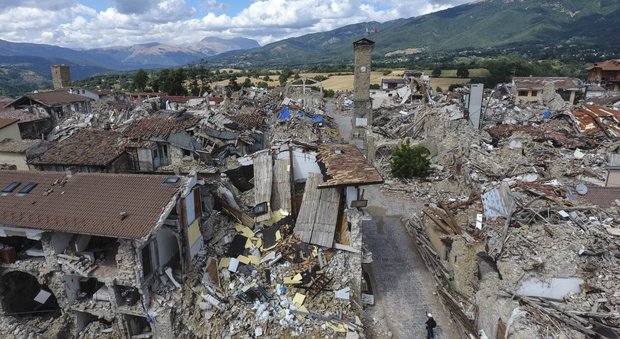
(140,80)
(375,86)
(408,162)
(233,85)
(462,71)
(436,72)
(439,89)
(247,83)
(284,75)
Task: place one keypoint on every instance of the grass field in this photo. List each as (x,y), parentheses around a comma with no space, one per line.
(345,82)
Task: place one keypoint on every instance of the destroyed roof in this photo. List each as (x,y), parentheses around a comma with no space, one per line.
(87,203)
(86,147)
(605,101)
(607,65)
(50,98)
(592,119)
(538,83)
(7,122)
(345,165)
(602,196)
(160,126)
(19,114)
(17,146)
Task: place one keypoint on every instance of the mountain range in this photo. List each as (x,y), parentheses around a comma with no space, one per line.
(578,24)
(482,24)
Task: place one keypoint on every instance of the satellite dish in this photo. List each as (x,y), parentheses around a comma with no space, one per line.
(581,189)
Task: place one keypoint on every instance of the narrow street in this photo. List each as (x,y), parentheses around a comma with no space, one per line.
(403,288)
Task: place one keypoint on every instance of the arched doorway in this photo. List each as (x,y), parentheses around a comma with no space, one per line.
(22,295)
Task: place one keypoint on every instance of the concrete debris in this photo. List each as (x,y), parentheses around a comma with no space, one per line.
(508,208)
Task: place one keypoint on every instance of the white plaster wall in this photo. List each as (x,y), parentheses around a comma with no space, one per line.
(10,132)
(60,241)
(17,159)
(304,163)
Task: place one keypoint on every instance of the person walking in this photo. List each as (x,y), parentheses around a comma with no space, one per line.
(430,326)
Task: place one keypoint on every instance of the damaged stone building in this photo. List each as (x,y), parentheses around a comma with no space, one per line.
(88,250)
(515,219)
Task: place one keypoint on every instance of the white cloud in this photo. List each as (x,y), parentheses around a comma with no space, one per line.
(71,24)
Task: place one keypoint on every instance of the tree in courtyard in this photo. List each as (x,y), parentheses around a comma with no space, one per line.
(408,162)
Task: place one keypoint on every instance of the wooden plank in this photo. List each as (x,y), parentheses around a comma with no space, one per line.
(307,212)
(326,217)
(281,196)
(263,176)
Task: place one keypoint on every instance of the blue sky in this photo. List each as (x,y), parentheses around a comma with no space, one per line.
(104,23)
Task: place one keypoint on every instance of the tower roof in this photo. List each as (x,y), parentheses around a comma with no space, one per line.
(363,42)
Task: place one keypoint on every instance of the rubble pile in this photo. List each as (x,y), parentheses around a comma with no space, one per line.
(507,210)
(304,123)
(266,282)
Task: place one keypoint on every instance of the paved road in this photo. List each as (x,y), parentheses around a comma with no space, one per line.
(403,287)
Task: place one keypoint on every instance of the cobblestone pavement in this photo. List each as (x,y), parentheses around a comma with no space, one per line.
(404,289)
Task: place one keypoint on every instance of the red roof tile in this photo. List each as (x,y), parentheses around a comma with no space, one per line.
(88,203)
(53,98)
(160,126)
(593,119)
(607,65)
(87,147)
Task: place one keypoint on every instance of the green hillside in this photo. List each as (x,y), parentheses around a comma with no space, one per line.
(487,24)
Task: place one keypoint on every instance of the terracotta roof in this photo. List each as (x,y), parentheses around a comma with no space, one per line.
(607,65)
(538,83)
(86,147)
(7,122)
(17,146)
(160,126)
(344,165)
(602,196)
(88,203)
(593,119)
(51,98)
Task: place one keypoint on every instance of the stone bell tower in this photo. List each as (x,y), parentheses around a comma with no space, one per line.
(362,108)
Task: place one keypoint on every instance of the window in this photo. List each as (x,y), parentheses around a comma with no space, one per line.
(28,187)
(147,263)
(522,93)
(534,93)
(12,186)
(171,180)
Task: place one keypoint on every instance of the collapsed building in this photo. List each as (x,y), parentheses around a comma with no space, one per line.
(514,219)
(262,238)
(94,250)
